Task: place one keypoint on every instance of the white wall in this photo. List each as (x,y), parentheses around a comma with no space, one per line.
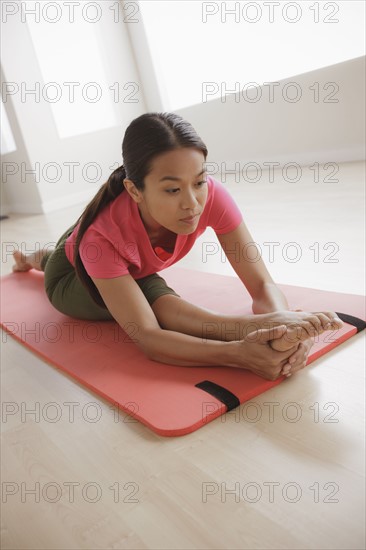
(35,131)
(236,131)
(233,43)
(13,192)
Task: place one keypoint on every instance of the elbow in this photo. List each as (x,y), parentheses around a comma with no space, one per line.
(154,357)
(150,354)
(148,343)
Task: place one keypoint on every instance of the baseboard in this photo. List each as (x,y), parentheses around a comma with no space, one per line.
(52,205)
(69,200)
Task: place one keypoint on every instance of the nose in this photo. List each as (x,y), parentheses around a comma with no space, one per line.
(188,201)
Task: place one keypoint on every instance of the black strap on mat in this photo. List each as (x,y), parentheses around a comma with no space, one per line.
(231,401)
(351,320)
(221,393)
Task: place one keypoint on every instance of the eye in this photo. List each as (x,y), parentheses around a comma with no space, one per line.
(173,191)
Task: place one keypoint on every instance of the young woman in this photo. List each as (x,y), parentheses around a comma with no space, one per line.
(145,218)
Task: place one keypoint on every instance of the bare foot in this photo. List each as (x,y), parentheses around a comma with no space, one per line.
(292,336)
(296,334)
(21,263)
(25,262)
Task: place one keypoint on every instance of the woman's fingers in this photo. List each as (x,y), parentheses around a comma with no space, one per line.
(295,360)
(257,355)
(301,356)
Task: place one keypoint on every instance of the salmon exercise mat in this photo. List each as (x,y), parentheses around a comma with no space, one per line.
(169,399)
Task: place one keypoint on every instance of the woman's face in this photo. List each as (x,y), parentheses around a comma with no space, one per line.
(175,189)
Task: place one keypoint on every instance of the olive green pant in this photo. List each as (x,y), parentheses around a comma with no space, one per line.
(69,296)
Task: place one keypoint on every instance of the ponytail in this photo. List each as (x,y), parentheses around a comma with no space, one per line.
(106,194)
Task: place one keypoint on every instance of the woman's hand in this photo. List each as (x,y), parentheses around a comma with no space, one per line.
(255,354)
(298,360)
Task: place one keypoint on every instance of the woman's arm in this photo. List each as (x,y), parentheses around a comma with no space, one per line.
(270,299)
(128,305)
(245,259)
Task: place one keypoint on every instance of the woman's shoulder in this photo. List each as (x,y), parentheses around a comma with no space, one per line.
(216,189)
(116,214)
(110,224)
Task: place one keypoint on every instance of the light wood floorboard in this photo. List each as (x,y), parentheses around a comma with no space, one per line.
(211,489)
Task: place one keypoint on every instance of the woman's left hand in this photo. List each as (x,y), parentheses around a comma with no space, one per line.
(298,359)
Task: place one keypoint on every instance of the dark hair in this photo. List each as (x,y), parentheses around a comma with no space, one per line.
(147,136)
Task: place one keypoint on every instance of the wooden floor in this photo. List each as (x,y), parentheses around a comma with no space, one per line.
(238,482)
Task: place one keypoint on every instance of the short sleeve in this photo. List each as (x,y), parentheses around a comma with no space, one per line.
(225,215)
(100,258)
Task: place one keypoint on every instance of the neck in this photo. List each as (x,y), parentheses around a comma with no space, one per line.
(151,226)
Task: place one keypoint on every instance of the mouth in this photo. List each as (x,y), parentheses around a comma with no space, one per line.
(190,219)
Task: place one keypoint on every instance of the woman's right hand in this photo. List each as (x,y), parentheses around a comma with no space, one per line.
(255,354)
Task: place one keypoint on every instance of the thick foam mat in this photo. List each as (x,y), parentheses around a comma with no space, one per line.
(170,400)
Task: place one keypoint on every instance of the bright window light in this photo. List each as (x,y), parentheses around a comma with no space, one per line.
(71,53)
(7,138)
(231,44)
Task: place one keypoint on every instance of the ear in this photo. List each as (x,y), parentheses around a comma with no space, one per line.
(132,190)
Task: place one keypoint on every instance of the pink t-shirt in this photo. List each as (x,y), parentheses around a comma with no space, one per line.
(117,243)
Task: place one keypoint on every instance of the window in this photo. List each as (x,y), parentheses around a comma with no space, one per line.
(7,139)
(204,50)
(71,53)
